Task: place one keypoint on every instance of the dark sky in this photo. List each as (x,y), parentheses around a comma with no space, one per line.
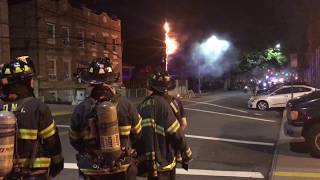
(248,24)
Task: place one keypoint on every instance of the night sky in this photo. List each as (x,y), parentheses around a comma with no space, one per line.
(247,24)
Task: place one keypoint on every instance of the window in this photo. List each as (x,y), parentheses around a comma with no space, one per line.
(283,91)
(81,39)
(66,35)
(93,40)
(114,42)
(66,70)
(300,89)
(51,32)
(304,89)
(52,69)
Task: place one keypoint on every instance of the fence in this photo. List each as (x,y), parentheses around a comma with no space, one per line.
(136,92)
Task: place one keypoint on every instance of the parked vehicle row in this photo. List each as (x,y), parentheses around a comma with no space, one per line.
(303,120)
(278,96)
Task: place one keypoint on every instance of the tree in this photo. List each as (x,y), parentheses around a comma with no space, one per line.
(269,58)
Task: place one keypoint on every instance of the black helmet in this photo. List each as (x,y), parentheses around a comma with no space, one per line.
(160,81)
(99,71)
(18,69)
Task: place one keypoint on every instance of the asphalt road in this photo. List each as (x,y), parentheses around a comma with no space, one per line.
(228,140)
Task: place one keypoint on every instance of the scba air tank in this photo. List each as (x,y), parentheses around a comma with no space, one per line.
(8,123)
(108,129)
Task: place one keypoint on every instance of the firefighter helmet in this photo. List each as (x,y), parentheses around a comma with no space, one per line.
(99,71)
(160,81)
(18,69)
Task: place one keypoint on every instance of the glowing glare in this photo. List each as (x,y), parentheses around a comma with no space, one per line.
(278,46)
(214,46)
(281,80)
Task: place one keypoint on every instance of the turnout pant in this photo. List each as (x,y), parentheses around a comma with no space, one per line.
(168,175)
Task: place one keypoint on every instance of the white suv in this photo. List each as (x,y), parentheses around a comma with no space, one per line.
(278,97)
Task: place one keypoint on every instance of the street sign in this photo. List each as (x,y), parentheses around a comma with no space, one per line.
(294,60)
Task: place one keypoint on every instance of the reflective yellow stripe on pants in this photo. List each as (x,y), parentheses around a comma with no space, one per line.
(40,162)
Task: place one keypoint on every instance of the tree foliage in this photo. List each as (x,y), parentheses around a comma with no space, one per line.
(270,58)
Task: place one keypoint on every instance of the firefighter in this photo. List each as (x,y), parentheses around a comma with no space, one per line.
(176,105)
(84,129)
(162,135)
(38,149)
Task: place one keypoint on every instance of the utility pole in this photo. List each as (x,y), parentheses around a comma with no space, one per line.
(199,77)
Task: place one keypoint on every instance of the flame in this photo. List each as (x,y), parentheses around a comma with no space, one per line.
(171,43)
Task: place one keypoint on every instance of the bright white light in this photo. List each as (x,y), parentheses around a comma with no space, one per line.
(281,80)
(278,46)
(264,84)
(259,81)
(267,77)
(214,47)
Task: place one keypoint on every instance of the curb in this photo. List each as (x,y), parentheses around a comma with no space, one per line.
(61,113)
(276,151)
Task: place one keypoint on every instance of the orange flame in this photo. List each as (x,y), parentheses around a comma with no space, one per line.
(171,43)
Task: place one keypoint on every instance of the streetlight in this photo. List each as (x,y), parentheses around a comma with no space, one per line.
(278,46)
(209,52)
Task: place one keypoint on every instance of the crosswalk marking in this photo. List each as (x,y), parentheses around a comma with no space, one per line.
(201,172)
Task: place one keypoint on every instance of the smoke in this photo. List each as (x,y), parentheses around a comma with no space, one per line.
(214,57)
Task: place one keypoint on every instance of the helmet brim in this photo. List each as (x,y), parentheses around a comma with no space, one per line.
(90,78)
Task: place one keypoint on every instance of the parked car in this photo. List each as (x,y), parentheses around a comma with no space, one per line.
(303,120)
(275,86)
(278,96)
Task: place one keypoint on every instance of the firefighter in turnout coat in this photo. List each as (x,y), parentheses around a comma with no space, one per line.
(38,148)
(86,134)
(162,135)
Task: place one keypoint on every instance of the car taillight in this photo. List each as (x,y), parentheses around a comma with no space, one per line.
(294,115)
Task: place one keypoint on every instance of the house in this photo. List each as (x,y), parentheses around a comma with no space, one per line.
(62,38)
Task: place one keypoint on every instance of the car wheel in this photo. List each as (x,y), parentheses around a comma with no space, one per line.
(262,105)
(313,140)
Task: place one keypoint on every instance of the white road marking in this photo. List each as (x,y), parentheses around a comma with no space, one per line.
(201,137)
(233,115)
(258,114)
(210,100)
(200,172)
(216,105)
(230,140)
(63,126)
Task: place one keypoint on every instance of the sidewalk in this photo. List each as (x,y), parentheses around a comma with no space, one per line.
(62,109)
(292,160)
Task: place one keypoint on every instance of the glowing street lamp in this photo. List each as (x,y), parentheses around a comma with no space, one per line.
(211,49)
(278,46)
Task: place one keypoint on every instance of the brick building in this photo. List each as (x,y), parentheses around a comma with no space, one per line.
(4,32)
(62,38)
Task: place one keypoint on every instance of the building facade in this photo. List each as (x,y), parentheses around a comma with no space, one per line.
(4,32)
(309,54)
(62,39)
